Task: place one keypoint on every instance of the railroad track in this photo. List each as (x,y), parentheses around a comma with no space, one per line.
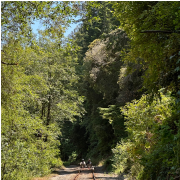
(80,174)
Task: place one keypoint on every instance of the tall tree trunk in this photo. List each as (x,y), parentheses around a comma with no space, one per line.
(42,110)
(3,171)
(48,119)
(49,111)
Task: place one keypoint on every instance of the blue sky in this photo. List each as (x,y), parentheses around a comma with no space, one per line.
(37,25)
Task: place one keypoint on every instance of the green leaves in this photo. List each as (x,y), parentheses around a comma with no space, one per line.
(156,51)
(37,94)
(150,140)
(17,17)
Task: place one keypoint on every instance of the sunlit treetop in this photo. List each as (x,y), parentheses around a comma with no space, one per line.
(17,16)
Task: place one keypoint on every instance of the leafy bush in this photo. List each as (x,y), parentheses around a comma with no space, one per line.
(72,157)
(66,163)
(152,147)
(121,158)
(24,154)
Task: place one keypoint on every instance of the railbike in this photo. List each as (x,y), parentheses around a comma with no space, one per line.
(83,166)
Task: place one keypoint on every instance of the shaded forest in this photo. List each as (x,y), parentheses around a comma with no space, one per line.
(110,91)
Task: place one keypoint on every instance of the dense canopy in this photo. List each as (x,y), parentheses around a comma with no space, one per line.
(110,91)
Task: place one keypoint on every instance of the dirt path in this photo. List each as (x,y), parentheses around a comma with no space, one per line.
(67,173)
(70,172)
(101,174)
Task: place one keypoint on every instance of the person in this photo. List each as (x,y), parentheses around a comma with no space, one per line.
(89,163)
(83,164)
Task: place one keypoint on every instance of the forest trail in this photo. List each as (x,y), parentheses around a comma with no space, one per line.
(109,91)
(70,172)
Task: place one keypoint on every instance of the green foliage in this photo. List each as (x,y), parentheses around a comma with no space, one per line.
(156,51)
(24,154)
(122,159)
(165,152)
(98,82)
(17,17)
(151,145)
(143,123)
(97,22)
(100,17)
(113,114)
(72,157)
(108,165)
(66,163)
(35,81)
(46,82)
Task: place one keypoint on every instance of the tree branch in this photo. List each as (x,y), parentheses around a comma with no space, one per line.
(9,63)
(159,31)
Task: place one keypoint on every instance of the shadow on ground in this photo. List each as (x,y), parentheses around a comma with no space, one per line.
(100,172)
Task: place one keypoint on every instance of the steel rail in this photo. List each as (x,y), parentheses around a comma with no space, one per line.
(93,176)
(77,176)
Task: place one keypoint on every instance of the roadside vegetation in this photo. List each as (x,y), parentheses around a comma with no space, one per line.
(110,91)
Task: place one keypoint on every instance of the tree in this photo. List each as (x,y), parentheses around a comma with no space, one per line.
(37,87)
(92,28)
(24,152)
(18,16)
(157,52)
(148,147)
